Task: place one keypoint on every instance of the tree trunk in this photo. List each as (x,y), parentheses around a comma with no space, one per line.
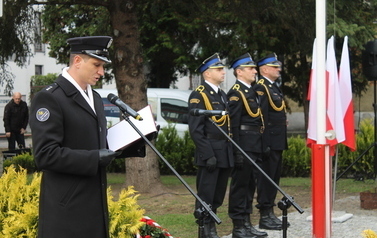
(142,173)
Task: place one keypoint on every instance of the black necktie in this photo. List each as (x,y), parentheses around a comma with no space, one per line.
(221,95)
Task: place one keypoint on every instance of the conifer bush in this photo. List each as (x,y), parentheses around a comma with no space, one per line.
(296,159)
(179,152)
(24,160)
(19,198)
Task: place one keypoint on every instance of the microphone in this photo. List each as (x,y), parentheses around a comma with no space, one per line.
(200,112)
(123,107)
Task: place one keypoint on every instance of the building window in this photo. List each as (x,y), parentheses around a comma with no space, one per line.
(38,69)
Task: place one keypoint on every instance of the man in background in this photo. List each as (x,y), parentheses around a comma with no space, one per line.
(16,117)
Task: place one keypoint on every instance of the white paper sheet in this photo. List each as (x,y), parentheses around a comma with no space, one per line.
(123,134)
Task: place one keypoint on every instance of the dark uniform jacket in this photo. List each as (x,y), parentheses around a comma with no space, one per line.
(275,118)
(66,137)
(16,116)
(208,139)
(247,129)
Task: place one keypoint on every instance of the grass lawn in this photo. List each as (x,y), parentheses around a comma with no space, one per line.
(174,211)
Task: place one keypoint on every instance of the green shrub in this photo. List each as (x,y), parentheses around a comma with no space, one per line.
(296,160)
(117,166)
(24,160)
(179,152)
(363,168)
(38,82)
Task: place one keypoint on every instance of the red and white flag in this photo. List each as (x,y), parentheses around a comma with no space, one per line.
(312,92)
(347,104)
(334,115)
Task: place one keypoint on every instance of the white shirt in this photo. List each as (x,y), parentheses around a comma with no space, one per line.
(247,85)
(88,97)
(214,87)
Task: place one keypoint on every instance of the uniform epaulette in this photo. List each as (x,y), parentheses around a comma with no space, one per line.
(51,87)
(200,88)
(260,81)
(236,86)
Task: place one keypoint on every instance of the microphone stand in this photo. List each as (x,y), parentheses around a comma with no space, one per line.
(200,213)
(286,201)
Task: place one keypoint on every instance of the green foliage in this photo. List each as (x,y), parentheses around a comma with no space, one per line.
(179,152)
(21,161)
(296,160)
(363,168)
(17,20)
(59,23)
(19,200)
(38,82)
(117,166)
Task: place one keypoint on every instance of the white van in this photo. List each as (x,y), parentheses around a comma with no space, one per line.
(168,105)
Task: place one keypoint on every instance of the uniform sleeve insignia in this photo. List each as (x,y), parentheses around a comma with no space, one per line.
(194,100)
(42,114)
(234,98)
(260,93)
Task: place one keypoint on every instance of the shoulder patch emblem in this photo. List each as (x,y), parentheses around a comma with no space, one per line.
(42,114)
(194,100)
(260,93)
(234,98)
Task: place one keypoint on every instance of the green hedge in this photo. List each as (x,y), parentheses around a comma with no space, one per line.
(21,161)
(179,152)
(297,159)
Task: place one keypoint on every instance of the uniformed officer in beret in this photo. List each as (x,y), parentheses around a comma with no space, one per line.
(274,138)
(213,154)
(68,126)
(247,127)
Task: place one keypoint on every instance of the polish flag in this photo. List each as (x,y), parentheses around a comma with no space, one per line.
(312,91)
(334,115)
(347,104)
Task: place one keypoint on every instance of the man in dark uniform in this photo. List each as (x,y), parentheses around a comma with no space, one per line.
(16,118)
(213,154)
(247,127)
(69,143)
(274,138)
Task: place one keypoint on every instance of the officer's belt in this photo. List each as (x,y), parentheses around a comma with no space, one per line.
(277,123)
(250,128)
(216,136)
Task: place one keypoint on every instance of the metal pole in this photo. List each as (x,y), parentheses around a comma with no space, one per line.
(320,219)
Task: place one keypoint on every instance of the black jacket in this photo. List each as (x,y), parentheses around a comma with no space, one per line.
(251,139)
(16,116)
(274,115)
(204,134)
(67,135)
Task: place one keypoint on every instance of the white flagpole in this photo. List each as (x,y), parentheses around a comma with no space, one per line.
(320,151)
(1,8)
